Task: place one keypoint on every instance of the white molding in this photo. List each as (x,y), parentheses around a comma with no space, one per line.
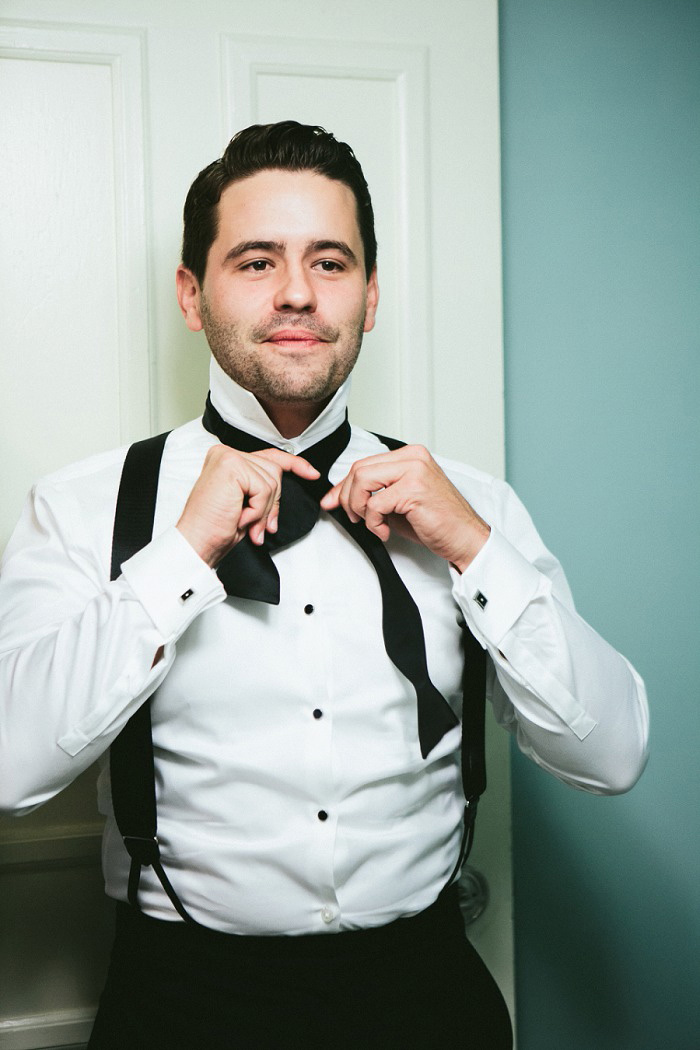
(56,1028)
(244,58)
(72,846)
(123,52)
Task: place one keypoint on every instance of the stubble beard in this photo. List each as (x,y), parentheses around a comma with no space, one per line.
(283,380)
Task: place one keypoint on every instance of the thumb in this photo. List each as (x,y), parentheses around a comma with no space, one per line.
(332,498)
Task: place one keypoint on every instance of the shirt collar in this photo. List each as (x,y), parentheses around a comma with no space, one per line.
(243,410)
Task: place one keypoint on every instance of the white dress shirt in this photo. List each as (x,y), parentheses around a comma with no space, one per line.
(292,796)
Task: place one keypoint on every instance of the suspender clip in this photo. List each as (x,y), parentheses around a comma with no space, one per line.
(470,808)
(144,851)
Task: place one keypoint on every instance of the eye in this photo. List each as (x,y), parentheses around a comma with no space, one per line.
(256,266)
(329,266)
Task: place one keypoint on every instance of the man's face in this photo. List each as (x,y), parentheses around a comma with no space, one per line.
(285,300)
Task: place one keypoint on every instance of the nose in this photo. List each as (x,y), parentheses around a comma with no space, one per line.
(295,290)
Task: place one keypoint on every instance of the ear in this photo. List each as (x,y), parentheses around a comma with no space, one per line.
(372,301)
(188,296)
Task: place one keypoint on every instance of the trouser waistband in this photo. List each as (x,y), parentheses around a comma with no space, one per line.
(163,935)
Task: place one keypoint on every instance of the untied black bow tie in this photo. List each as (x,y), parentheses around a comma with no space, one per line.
(248,571)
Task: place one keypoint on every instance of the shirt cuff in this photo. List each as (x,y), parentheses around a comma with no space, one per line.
(172,582)
(496,588)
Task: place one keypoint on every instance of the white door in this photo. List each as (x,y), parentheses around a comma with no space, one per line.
(107,111)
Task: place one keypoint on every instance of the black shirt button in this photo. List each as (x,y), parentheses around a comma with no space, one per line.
(318,713)
(322,815)
(308,609)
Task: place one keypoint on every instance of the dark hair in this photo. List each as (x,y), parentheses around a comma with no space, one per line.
(288,146)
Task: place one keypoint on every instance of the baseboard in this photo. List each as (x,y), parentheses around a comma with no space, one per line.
(67,1029)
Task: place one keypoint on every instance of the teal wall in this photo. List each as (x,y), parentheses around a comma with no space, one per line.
(601,190)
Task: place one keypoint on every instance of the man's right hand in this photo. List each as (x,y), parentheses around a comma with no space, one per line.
(237,492)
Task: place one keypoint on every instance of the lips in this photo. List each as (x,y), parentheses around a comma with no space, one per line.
(294,337)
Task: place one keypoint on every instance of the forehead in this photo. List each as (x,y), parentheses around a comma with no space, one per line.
(288,205)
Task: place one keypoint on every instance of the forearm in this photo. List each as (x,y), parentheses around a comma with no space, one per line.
(66,695)
(67,687)
(576,706)
(580,713)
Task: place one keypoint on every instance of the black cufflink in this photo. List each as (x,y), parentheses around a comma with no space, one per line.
(188,594)
(481,600)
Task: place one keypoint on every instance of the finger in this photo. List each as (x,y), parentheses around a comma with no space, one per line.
(256,527)
(261,511)
(382,530)
(405,452)
(351,493)
(378,509)
(350,503)
(294,464)
(274,516)
(252,522)
(332,498)
(284,461)
(383,468)
(371,475)
(273,470)
(256,514)
(363,484)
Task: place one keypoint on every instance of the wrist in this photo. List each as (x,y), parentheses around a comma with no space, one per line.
(210,552)
(479,534)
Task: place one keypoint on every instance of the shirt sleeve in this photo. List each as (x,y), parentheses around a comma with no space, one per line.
(575,705)
(77,651)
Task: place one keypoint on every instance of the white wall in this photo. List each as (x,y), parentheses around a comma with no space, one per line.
(107,111)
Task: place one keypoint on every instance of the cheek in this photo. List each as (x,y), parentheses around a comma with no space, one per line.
(345,310)
(239,306)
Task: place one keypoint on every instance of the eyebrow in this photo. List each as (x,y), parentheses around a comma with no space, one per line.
(329,246)
(254,246)
(279,247)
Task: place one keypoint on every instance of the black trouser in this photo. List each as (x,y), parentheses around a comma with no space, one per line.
(416,984)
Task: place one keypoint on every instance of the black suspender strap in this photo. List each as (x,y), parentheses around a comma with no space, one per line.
(131,754)
(473,736)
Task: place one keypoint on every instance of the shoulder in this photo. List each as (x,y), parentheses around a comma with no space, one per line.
(99,474)
(484,491)
(362,443)
(79,499)
(481,489)
(498,504)
(491,497)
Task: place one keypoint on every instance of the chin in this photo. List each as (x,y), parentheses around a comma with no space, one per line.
(307,391)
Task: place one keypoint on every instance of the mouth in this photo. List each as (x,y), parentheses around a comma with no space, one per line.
(295,339)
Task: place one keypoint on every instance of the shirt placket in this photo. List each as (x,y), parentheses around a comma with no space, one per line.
(321,817)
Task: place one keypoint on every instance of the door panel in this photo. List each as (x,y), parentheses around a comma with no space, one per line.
(336,85)
(74,358)
(106,114)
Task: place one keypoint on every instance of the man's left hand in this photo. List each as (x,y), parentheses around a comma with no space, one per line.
(405,490)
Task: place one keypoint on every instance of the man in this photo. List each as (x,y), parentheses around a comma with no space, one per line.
(310,825)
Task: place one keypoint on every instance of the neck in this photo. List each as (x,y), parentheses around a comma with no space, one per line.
(272,418)
(293,417)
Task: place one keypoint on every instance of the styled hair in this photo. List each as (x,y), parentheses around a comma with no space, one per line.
(288,146)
